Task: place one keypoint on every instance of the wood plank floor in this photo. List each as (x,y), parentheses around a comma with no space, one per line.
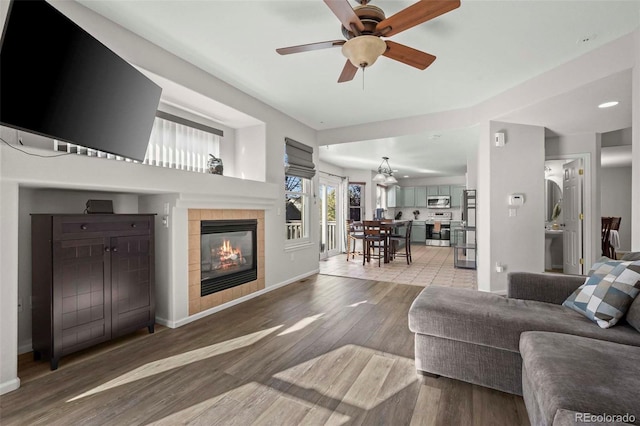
(326,350)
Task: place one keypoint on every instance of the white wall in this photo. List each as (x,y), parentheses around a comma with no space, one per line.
(635,181)
(250,153)
(516,242)
(615,191)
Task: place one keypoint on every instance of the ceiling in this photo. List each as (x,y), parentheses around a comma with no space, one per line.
(483,48)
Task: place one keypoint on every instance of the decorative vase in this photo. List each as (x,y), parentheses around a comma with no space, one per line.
(215,165)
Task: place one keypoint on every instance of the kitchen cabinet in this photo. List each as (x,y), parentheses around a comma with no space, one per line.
(418,232)
(456,196)
(394,197)
(409,196)
(421,196)
(439,190)
(444,190)
(92,280)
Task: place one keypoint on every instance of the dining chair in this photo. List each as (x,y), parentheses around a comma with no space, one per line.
(614,237)
(606,233)
(375,238)
(355,233)
(405,236)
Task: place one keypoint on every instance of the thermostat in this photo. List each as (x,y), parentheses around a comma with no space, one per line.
(516,200)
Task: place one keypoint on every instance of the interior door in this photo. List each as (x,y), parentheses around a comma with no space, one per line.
(329,229)
(572,187)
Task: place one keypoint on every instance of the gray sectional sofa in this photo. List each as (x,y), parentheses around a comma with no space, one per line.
(483,338)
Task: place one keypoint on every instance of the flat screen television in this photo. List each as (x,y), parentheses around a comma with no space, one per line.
(58,81)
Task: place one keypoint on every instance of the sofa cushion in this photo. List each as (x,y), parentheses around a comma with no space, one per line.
(492,320)
(633,314)
(632,255)
(581,375)
(608,293)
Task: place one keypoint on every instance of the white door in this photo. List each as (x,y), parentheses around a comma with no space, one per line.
(572,184)
(329,209)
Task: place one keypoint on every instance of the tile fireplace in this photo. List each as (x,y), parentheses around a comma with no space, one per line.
(226,256)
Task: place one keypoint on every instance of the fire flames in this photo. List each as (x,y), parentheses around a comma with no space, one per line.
(226,256)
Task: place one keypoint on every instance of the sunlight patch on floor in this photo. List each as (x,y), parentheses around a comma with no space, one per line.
(176,361)
(368,389)
(301,324)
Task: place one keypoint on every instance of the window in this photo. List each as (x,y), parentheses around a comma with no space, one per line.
(356,201)
(298,162)
(179,146)
(297,195)
(381,197)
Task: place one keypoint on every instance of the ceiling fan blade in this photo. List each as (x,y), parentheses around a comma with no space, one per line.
(415,14)
(348,72)
(310,46)
(408,55)
(345,14)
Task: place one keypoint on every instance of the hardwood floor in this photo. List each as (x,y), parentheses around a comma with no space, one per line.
(326,350)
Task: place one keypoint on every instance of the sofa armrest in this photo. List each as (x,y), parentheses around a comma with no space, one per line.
(550,288)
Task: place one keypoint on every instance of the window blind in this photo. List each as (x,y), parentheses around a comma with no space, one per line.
(300,158)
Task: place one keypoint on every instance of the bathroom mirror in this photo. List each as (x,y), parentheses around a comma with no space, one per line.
(552,194)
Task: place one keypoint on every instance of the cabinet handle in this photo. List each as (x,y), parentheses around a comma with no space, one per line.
(115,249)
(107,249)
(133,225)
(83,226)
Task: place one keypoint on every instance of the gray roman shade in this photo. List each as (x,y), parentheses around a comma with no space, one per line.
(300,159)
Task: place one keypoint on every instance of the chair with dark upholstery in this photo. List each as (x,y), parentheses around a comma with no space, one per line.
(375,238)
(355,233)
(404,236)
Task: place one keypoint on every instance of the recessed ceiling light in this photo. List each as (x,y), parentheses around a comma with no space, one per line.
(406,176)
(608,104)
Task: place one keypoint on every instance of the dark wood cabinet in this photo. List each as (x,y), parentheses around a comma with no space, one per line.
(92,280)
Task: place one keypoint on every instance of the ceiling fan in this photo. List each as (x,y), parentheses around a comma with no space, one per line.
(363,28)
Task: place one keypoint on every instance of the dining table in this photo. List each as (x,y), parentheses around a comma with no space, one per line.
(390,227)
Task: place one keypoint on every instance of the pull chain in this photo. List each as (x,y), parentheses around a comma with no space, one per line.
(363,78)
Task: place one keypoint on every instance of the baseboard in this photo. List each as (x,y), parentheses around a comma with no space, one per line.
(9,386)
(199,315)
(25,347)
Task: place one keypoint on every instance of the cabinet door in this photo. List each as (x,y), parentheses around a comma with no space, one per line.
(421,196)
(81,295)
(409,196)
(391,197)
(133,305)
(444,190)
(456,196)
(418,234)
(432,190)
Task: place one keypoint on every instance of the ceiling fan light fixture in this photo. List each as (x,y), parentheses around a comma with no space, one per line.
(363,51)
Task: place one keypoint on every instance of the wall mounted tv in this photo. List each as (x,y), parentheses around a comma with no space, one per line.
(58,81)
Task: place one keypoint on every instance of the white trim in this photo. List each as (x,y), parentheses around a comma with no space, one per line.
(199,315)
(299,245)
(25,347)
(9,385)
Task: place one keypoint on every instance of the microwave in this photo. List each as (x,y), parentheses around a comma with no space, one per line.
(439,201)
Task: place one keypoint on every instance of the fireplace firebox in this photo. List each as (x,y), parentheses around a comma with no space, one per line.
(228,254)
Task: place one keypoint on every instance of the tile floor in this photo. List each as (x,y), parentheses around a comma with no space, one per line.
(431,265)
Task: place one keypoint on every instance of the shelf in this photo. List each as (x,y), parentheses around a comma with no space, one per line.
(466,264)
(465,246)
